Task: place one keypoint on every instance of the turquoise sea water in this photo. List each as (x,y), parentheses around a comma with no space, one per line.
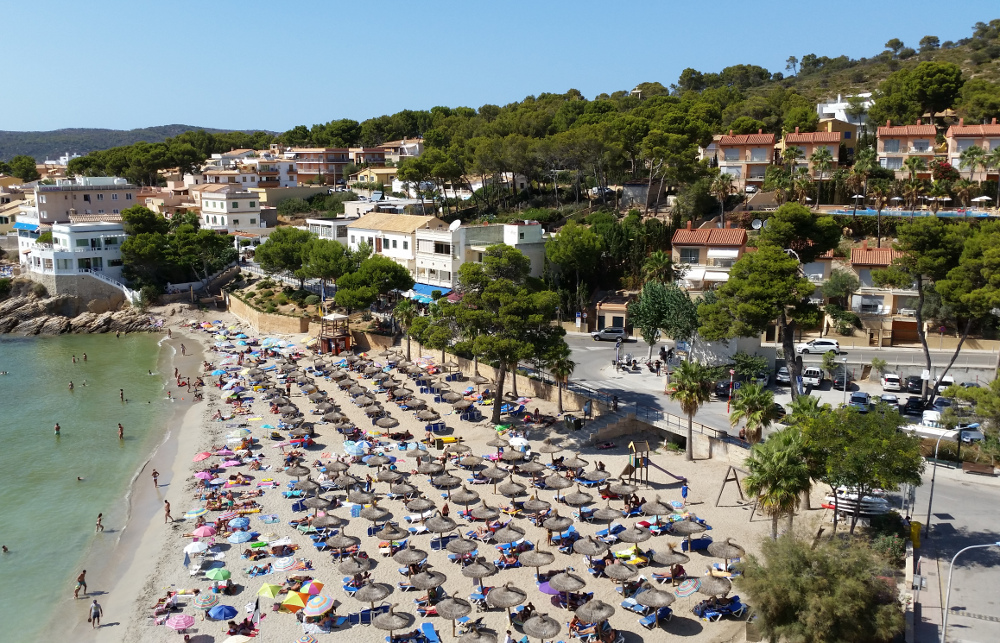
(48,515)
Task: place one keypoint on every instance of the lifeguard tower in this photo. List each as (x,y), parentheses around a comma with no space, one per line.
(334,334)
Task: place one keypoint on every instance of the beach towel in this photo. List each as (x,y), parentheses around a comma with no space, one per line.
(269,519)
(254,419)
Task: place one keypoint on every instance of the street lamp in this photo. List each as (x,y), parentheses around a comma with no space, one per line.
(930,500)
(947,595)
(843,361)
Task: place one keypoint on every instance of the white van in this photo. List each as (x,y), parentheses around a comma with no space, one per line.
(812,376)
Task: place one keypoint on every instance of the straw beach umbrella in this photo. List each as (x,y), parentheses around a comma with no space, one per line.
(509,534)
(393,620)
(534,505)
(461,546)
(670,557)
(655,598)
(620,571)
(595,611)
(541,626)
(420,505)
(713,585)
(428,579)
(392,532)
(511,489)
(484,512)
(354,565)
(536,558)
(453,608)
(726,549)
(506,597)
(634,535)
(441,524)
(371,592)
(686,528)
(409,555)
(479,569)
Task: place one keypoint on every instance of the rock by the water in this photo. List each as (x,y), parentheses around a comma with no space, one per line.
(30,315)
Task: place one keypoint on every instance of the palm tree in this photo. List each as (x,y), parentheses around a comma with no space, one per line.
(973,157)
(964,189)
(937,192)
(822,161)
(855,183)
(658,267)
(405,312)
(993,162)
(561,367)
(722,187)
(913,165)
(911,193)
(880,195)
(790,157)
(782,186)
(803,188)
(865,161)
(692,387)
(754,405)
(778,475)
(806,407)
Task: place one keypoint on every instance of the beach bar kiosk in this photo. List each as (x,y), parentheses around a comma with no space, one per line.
(334,335)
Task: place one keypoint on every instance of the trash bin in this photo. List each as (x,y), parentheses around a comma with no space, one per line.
(915,528)
(570,421)
(577,423)
(439,444)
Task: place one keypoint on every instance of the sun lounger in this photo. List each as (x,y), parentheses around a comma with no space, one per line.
(662,615)
(430,633)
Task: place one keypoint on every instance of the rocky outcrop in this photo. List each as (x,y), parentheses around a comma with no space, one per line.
(31,315)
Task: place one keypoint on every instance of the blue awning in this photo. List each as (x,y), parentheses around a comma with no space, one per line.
(30,227)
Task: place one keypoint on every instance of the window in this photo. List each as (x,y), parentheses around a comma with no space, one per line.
(352,239)
(128,196)
(83,243)
(86,198)
(393,244)
(891,146)
(236,221)
(690,255)
(893,163)
(341,232)
(114,197)
(253,204)
(111,241)
(236,205)
(253,221)
(100,197)
(758,155)
(63,264)
(847,135)
(116,211)
(732,155)
(994,143)
(41,198)
(371,242)
(520,235)
(406,245)
(100,212)
(442,248)
(922,145)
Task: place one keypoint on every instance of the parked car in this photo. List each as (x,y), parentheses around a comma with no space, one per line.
(841,380)
(914,384)
(819,346)
(722,389)
(944,383)
(860,400)
(762,378)
(890,382)
(612,333)
(888,398)
(970,385)
(941,403)
(783,376)
(914,405)
(812,376)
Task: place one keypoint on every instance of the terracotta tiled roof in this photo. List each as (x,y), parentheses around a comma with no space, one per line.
(973,130)
(711,237)
(872,256)
(907,130)
(812,137)
(747,139)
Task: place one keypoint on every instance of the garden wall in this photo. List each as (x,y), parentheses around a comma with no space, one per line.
(267,323)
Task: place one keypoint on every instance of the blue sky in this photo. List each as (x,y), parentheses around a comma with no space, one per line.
(275,64)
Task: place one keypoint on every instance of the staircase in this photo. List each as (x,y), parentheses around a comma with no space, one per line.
(606,421)
(132,296)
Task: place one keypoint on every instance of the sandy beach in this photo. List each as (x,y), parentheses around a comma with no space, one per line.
(149,559)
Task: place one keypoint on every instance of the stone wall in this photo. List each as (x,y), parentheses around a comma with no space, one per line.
(100,296)
(267,323)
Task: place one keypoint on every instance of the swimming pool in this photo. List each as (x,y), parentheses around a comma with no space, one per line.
(950,214)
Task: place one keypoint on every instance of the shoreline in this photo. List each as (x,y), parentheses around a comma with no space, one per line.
(133,556)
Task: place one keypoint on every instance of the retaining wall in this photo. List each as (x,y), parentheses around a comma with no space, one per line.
(267,323)
(100,296)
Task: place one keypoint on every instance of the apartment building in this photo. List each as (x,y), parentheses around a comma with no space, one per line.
(79,247)
(808,143)
(848,135)
(704,256)
(319,164)
(367,156)
(840,109)
(887,314)
(896,143)
(227,208)
(391,235)
(397,151)
(745,157)
(96,195)
(961,137)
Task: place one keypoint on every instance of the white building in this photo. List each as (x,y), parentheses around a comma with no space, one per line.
(331,229)
(229,208)
(838,109)
(77,248)
(465,188)
(246,168)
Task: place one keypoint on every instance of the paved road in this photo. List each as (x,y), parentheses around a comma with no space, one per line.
(957,522)
(594,371)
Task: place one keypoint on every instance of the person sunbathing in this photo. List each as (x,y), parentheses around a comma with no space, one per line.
(257,570)
(405,636)
(508,559)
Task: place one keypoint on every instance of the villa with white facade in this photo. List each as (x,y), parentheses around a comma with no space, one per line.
(229,208)
(79,248)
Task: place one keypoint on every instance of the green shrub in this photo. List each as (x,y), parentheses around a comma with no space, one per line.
(270,308)
(266,293)
(5,287)
(266,282)
(281,299)
(892,547)
(39,290)
(149,295)
(312,300)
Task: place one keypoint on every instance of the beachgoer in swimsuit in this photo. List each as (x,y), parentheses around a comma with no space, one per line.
(95,614)
(57,428)
(156,475)
(121,431)
(166,512)
(81,581)
(100,527)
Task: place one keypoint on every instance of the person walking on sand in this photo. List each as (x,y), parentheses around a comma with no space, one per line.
(100,527)
(156,475)
(183,350)
(170,334)
(166,512)
(81,581)
(121,431)
(95,615)
(684,493)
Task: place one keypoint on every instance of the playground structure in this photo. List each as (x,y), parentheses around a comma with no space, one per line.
(637,470)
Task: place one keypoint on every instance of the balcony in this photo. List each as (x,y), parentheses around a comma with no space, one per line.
(270,183)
